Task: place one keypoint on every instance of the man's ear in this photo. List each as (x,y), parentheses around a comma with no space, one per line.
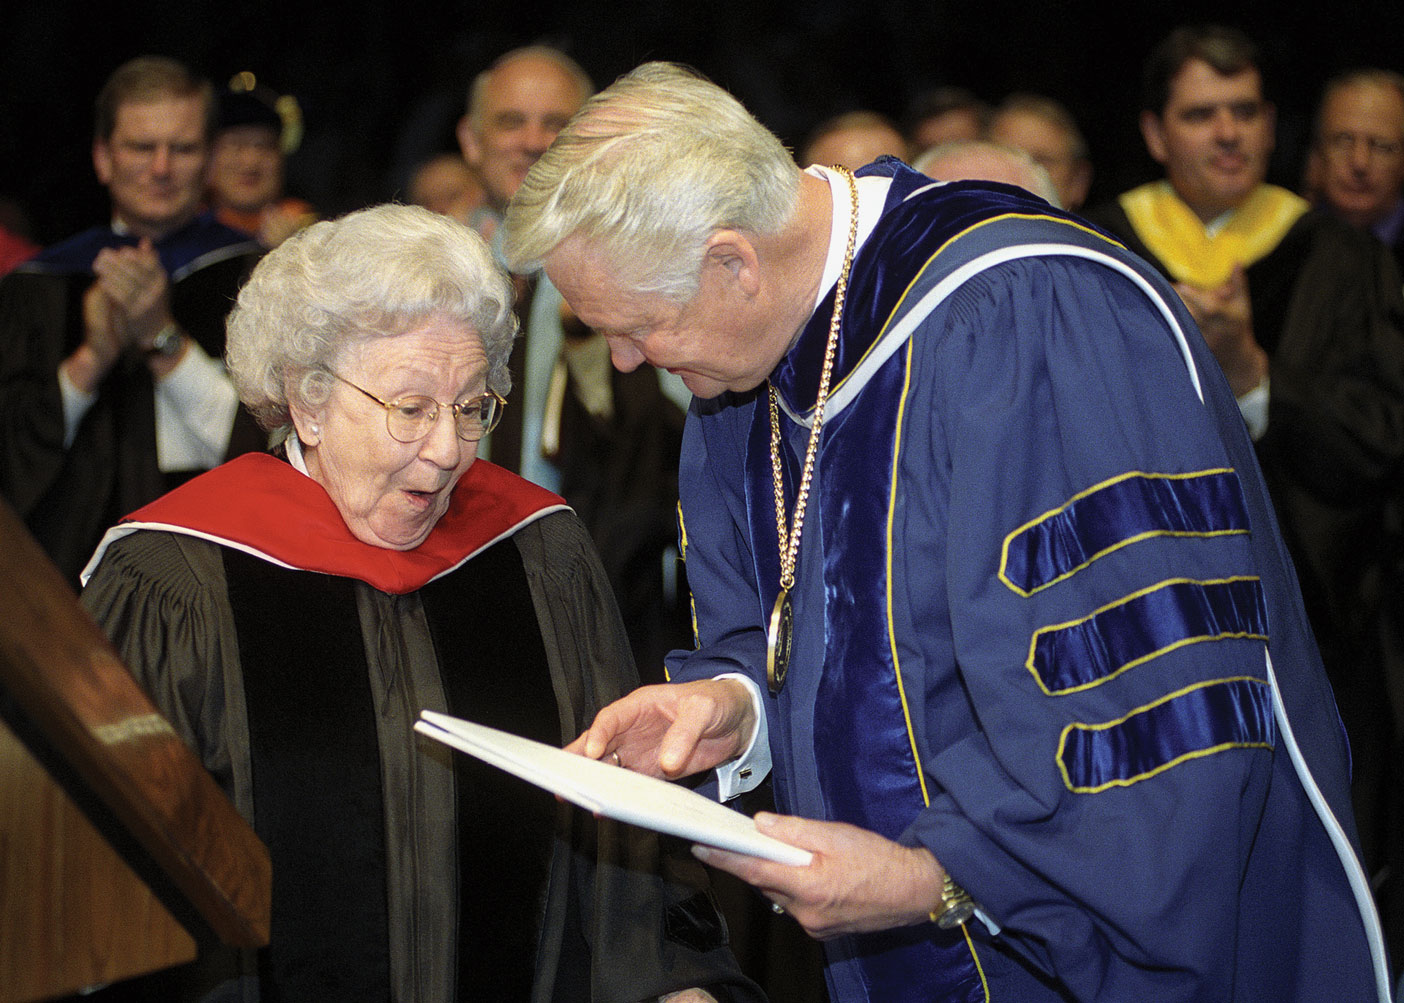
(733,252)
(1082,182)
(1153,132)
(468,142)
(207,169)
(102,161)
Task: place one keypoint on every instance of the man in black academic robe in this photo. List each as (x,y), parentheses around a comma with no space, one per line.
(112,387)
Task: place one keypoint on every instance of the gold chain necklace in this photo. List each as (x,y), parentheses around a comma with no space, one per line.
(779,634)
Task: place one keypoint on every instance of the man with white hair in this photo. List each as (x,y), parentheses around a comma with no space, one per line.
(980,555)
(980,160)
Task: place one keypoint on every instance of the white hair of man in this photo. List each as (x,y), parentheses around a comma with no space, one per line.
(374,273)
(981,160)
(647,170)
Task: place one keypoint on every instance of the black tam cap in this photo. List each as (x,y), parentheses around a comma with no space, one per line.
(247,102)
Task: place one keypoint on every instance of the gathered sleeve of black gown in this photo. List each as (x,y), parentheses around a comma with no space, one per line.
(644,913)
(627,915)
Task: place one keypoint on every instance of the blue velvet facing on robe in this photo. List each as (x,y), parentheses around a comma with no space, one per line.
(1036,577)
(1197,721)
(197,243)
(1118,514)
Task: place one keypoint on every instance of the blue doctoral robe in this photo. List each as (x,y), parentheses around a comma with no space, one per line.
(200,243)
(1041,594)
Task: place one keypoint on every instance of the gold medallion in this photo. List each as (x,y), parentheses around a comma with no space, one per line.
(778,637)
(780,631)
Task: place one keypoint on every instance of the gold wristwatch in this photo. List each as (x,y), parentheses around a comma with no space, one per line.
(955,906)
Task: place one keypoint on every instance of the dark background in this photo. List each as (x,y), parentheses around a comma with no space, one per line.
(381,83)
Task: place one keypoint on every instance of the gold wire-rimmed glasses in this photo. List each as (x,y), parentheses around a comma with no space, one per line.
(409,419)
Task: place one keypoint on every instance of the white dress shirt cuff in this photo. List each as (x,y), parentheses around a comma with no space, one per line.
(1254,407)
(195,408)
(75,405)
(746,771)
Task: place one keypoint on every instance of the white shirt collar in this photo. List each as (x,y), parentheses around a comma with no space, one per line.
(872,196)
(293,445)
(1216,225)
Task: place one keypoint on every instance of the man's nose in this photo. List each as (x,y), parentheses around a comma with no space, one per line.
(539,137)
(1360,153)
(624,353)
(1226,126)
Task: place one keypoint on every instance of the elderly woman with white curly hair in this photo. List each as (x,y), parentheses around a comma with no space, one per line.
(292,614)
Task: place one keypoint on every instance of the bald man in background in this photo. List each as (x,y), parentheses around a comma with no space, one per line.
(851,140)
(1046,131)
(1357,159)
(607,442)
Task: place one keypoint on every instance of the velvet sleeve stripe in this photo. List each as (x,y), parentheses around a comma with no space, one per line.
(1074,656)
(1191,723)
(1118,512)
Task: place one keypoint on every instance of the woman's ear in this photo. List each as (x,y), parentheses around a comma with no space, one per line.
(307,423)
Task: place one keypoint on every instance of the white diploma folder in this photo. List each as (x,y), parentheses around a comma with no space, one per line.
(610,791)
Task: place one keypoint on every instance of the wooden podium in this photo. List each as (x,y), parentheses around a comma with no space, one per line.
(117,849)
